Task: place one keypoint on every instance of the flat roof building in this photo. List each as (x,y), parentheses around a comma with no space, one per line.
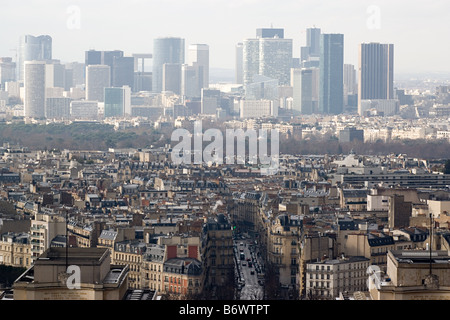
(73,274)
(413,275)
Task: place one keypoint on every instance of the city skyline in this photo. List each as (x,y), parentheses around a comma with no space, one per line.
(80,26)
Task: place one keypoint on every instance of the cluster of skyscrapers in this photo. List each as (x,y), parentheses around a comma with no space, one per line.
(320,80)
(104,81)
(316,82)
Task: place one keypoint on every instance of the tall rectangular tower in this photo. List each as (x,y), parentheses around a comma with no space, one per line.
(98,77)
(331,100)
(275,59)
(34,85)
(199,53)
(165,50)
(302,81)
(239,68)
(375,72)
(269,55)
(313,41)
(171,77)
(117,102)
(123,72)
(33,48)
(250,61)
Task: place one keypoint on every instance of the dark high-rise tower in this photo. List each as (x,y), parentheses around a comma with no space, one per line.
(313,41)
(122,72)
(165,50)
(331,88)
(270,33)
(94,57)
(309,55)
(375,72)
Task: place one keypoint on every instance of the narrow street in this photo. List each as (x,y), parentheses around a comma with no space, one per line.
(249,270)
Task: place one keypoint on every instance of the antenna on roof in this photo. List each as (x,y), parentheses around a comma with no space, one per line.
(67,243)
(431,239)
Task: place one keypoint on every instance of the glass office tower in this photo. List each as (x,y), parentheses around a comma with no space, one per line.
(331,99)
(33,48)
(165,50)
(375,72)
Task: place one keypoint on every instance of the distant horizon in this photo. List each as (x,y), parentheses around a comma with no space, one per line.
(417,31)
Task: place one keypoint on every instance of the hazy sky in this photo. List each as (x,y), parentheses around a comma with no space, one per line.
(420,30)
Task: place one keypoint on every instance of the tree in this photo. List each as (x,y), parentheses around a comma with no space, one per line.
(447,167)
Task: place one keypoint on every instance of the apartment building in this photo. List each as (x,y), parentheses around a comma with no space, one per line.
(372,245)
(283,248)
(130,252)
(153,266)
(218,256)
(327,279)
(15,249)
(43,229)
(183,277)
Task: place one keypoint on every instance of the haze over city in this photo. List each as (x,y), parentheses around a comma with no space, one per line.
(210,150)
(416,28)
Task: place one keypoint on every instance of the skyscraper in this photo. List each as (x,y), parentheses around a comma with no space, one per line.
(92,57)
(108,58)
(34,85)
(309,54)
(210,101)
(275,59)
(171,77)
(117,102)
(142,72)
(191,85)
(331,100)
(98,77)
(250,62)
(239,68)
(199,53)
(7,71)
(350,88)
(267,56)
(165,50)
(270,33)
(313,41)
(33,48)
(375,72)
(302,81)
(55,74)
(123,72)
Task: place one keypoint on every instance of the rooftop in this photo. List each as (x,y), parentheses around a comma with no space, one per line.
(136,294)
(81,255)
(421,256)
